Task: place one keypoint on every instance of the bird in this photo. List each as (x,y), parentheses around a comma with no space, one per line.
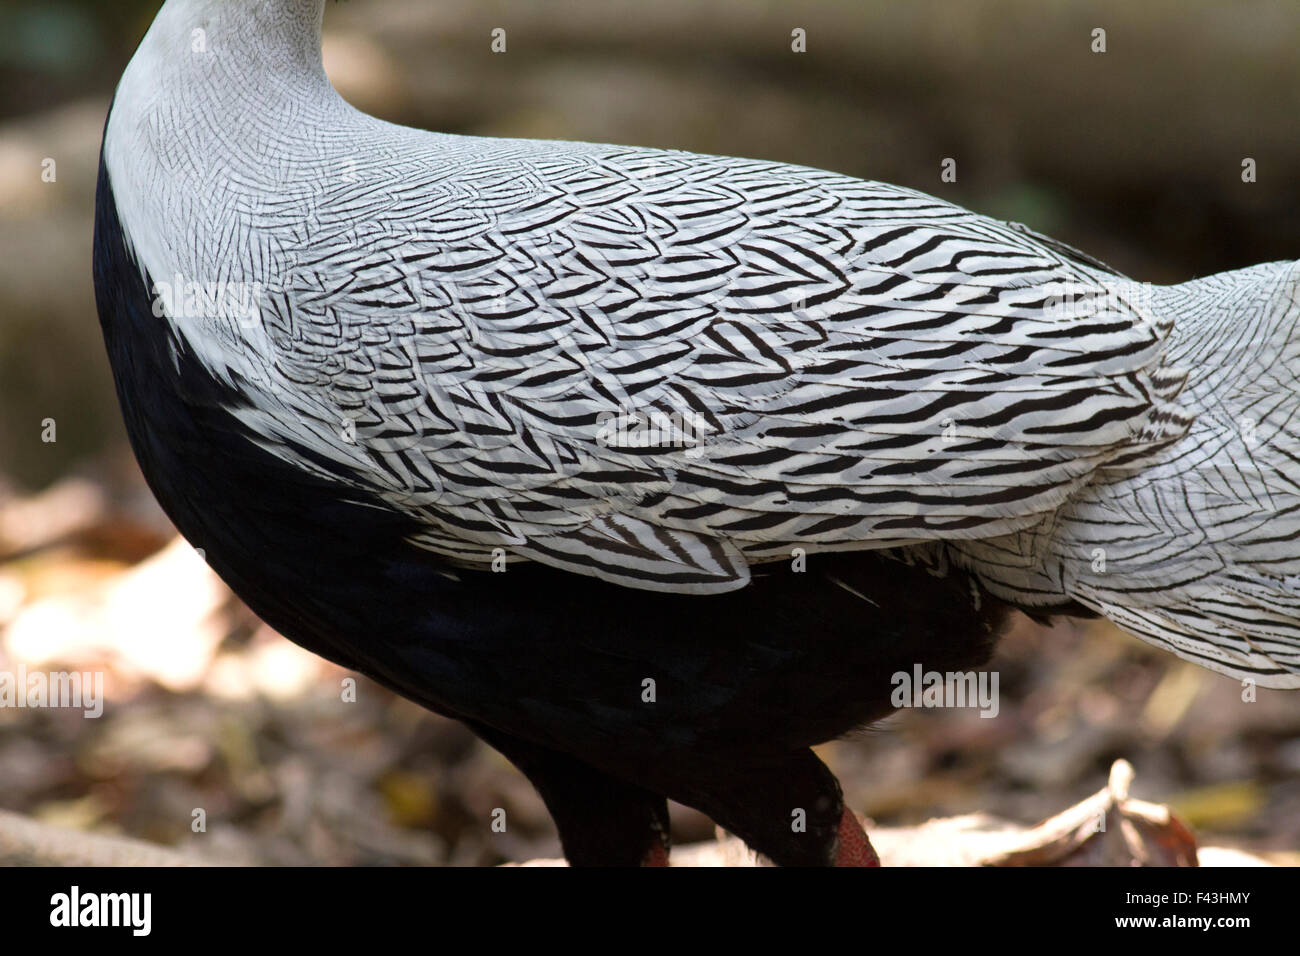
(656,469)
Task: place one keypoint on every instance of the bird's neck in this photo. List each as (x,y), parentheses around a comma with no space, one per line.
(240,44)
(224,109)
(219,91)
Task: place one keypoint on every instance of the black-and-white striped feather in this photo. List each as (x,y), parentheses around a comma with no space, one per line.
(466,328)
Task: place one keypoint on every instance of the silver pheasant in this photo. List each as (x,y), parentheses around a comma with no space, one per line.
(664,369)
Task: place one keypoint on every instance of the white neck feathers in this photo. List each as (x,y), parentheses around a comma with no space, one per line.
(224,108)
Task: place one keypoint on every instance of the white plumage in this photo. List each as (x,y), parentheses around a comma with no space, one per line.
(456,324)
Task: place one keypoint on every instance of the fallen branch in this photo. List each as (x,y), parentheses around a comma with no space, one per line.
(25,842)
(1109,828)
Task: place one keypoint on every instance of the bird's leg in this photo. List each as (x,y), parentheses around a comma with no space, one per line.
(790,810)
(602,820)
(852,848)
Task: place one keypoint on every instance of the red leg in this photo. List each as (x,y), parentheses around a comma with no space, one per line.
(853,848)
(657,856)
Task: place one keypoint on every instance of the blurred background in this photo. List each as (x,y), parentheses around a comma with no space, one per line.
(1134,155)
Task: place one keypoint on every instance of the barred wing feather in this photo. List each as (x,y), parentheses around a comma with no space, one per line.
(839,364)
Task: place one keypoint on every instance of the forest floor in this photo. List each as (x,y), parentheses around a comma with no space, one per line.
(210,716)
